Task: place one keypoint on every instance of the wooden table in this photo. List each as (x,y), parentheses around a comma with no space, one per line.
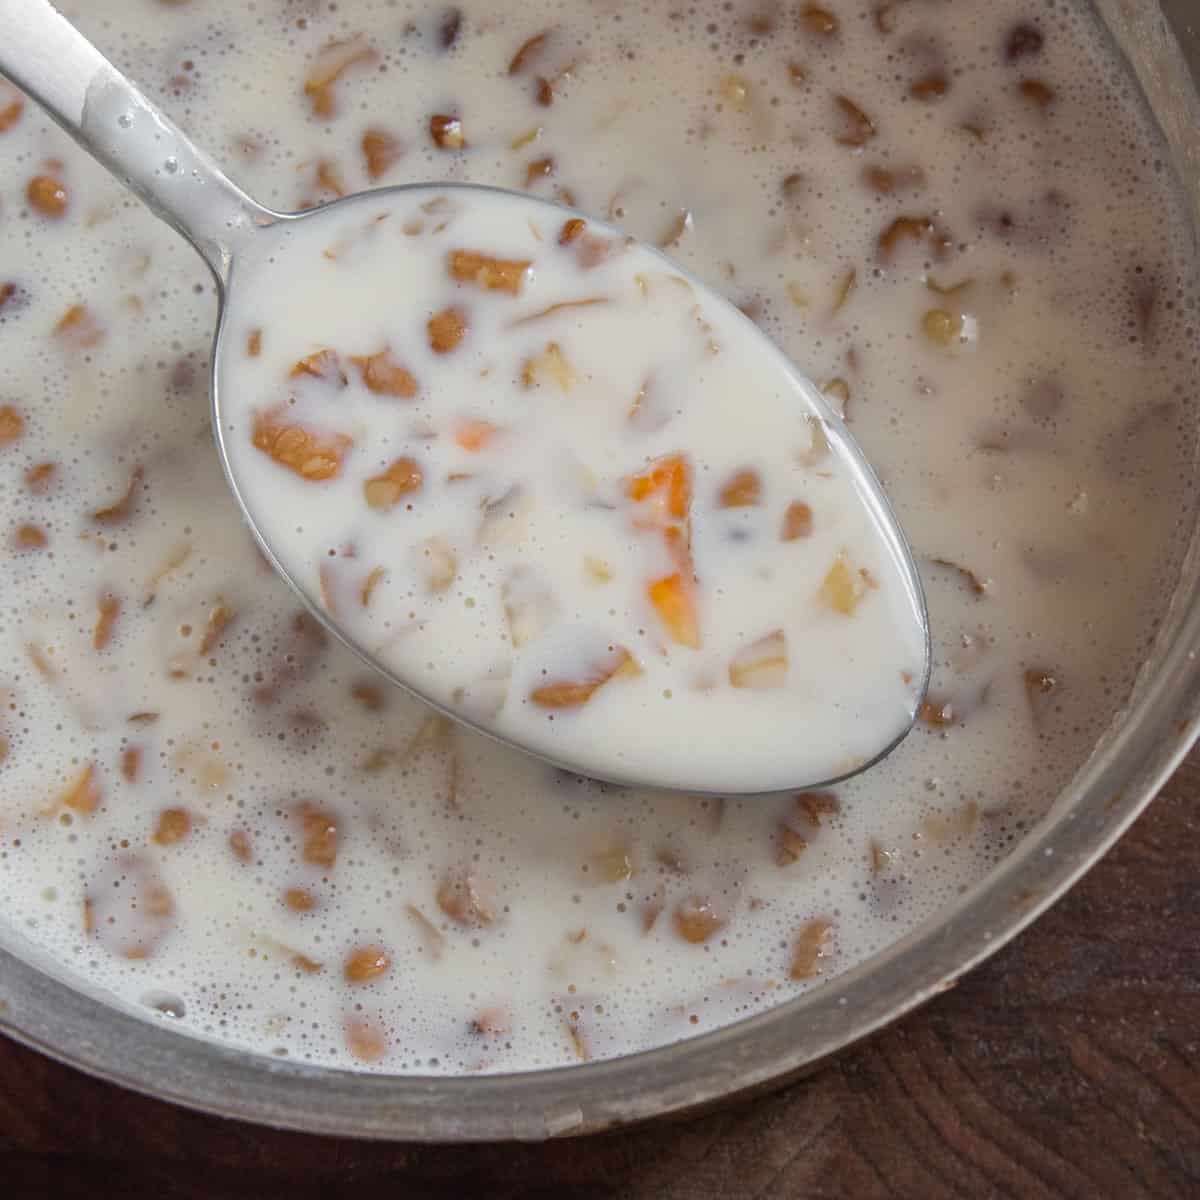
(1068,1065)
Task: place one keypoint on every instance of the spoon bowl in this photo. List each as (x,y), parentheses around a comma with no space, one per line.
(624,735)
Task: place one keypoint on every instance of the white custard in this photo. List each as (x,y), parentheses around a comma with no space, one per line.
(555,487)
(955,218)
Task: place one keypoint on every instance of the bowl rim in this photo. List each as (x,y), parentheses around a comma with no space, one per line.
(40,1009)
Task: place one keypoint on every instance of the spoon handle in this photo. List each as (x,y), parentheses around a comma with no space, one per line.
(46,56)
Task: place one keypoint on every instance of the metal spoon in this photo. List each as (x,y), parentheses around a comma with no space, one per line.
(117,125)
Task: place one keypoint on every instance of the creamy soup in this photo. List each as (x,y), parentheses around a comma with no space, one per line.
(954,217)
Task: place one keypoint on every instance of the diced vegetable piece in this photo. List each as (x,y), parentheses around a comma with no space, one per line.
(108,610)
(365,964)
(743,489)
(47,195)
(449,27)
(435,940)
(810,949)
(560,306)
(474,434)
(612,863)
(369,695)
(1041,690)
(82,794)
(960,822)
(128,908)
(667,484)
(439,563)
(324,365)
(544,93)
(331,62)
(735,91)
(938,712)
(122,510)
(681,223)
(320,836)
(364,1039)
(1036,92)
(857,127)
(313,455)
(976,585)
(492,1022)
(381,150)
(762,665)
(551,365)
(815,805)
(790,845)
(540,168)
(843,588)
(1023,41)
(385,376)
(905,228)
(219,617)
(844,290)
(574,693)
(326,184)
(131,763)
(571,229)
(174,824)
(819,21)
(12,425)
(374,578)
(447,329)
(879,858)
(30,537)
(674,600)
(505,520)
(887,180)
(817,449)
(491,274)
(529,606)
(12,104)
(837,390)
(652,908)
(941,327)
(797,522)
(528,52)
(696,919)
(578,1040)
(40,476)
(446,130)
(402,478)
(597,570)
(460,898)
(78,328)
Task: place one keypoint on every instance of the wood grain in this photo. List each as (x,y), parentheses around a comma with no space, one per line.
(1067,1066)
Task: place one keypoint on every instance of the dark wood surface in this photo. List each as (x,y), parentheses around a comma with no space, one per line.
(1068,1065)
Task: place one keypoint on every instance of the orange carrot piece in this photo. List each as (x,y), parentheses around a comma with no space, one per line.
(673,600)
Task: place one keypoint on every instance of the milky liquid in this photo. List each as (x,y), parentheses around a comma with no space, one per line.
(211,814)
(544,479)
